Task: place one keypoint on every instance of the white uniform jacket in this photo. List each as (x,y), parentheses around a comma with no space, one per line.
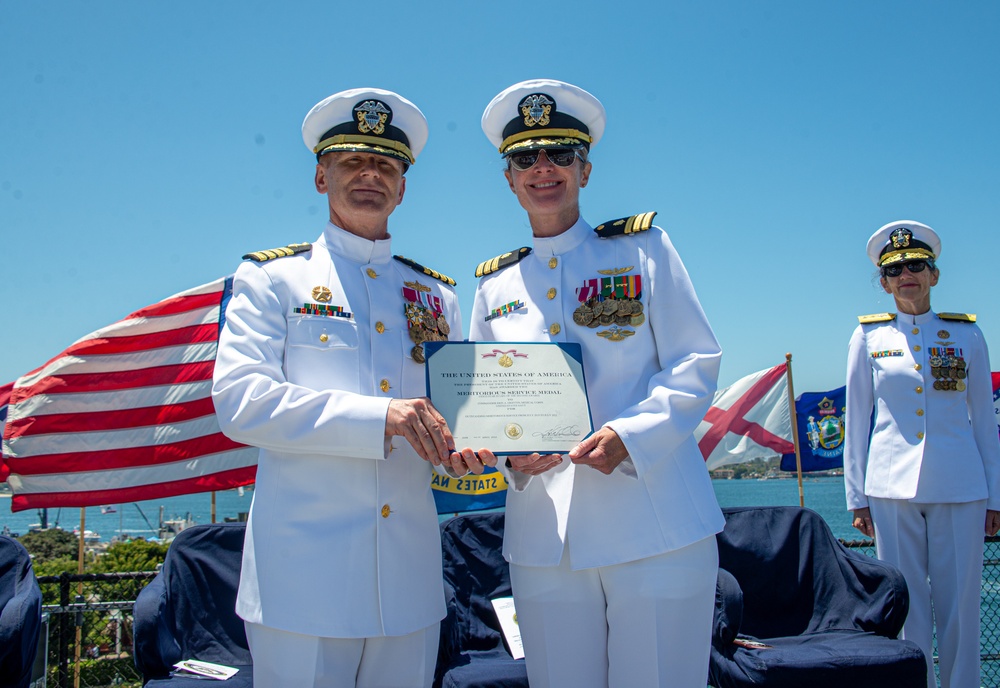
(652,384)
(342,539)
(927,445)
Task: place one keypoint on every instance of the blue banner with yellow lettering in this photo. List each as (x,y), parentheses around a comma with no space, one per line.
(820,419)
(469,493)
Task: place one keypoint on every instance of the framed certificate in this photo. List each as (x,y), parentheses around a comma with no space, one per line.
(510,397)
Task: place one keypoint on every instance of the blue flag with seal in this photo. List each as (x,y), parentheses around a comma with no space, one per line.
(470,492)
(820,417)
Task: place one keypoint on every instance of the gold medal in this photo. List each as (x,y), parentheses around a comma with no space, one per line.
(443,326)
(417,353)
(960,386)
(637,320)
(322,294)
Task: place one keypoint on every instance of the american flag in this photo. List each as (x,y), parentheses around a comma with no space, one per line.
(125,414)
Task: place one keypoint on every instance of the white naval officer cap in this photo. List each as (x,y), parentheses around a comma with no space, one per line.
(543,113)
(369,120)
(903,240)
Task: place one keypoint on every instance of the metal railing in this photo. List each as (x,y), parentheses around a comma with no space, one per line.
(989,608)
(89,641)
(90,629)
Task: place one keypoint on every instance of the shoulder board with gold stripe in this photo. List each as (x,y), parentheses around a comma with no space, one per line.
(625,225)
(281,252)
(502,261)
(958,317)
(876,318)
(427,271)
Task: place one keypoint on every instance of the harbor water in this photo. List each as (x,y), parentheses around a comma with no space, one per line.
(824,495)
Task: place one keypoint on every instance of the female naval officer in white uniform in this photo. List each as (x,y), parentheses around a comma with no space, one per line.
(612,546)
(925,479)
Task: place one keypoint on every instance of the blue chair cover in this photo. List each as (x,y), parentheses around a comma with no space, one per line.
(20,614)
(472,653)
(828,616)
(188,611)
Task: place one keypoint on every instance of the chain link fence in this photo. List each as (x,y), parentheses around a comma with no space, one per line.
(88,639)
(989,609)
(89,634)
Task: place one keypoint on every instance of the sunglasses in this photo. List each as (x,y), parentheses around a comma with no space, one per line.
(913,266)
(560,157)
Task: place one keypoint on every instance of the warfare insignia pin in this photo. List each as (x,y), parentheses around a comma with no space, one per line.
(536,109)
(616,271)
(901,237)
(373,115)
(417,285)
(322,294)
(615,334)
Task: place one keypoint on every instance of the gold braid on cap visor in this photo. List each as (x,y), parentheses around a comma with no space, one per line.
(575,135)
(384,146)
(905,254)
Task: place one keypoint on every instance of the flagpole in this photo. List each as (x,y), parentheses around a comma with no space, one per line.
(213,506)
(795,427)
(79,598)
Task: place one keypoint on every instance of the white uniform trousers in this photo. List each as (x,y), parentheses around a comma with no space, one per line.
(642,623)
(282,659)
(939,550)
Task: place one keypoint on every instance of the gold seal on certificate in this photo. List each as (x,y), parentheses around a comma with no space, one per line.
(510,397)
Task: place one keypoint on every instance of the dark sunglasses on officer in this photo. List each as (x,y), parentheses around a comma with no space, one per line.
(896,269)
(560,157)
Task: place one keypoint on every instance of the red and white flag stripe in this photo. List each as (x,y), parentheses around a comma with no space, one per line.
(748,420)
(125,413)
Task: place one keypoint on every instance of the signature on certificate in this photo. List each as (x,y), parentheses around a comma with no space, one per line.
(559,431)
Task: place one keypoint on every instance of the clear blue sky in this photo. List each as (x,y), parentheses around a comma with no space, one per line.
(145,146)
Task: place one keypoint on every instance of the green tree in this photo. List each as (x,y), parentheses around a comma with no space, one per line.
(44,545)
(133,555)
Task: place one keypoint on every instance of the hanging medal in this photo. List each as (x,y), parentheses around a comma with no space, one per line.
(612,301)
(425,319)
(948,368)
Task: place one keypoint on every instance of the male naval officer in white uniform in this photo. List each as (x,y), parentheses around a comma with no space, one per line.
(320,366)
(612,547)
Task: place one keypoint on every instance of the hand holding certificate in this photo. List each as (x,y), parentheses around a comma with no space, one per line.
(511,398)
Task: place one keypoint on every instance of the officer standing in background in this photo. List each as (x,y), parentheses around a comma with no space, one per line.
(320,366)
(924,478)
(612,546)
